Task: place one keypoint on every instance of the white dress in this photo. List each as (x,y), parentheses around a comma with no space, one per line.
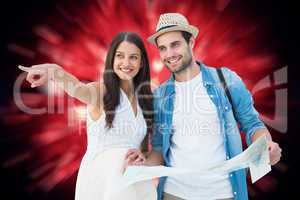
(102,165)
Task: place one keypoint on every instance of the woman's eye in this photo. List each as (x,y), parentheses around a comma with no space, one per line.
(134,57)
(118,55)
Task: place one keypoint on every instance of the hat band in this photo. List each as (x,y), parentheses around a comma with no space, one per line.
(165,27)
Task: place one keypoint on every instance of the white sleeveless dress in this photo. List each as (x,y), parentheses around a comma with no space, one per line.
(102,165)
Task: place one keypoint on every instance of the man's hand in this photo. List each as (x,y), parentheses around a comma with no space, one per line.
(274,152)
(273,147)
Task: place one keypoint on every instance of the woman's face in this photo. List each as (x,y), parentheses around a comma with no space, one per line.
(127,60)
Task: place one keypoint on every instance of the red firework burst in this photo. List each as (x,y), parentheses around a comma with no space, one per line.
(77,37)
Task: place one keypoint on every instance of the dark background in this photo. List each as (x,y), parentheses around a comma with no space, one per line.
(17,20)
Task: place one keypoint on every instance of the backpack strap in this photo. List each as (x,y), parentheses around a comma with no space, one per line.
(225,87)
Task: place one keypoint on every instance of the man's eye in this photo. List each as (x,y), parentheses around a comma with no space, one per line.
(176,45)
(162,49)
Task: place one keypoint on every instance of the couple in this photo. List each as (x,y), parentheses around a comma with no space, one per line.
(190,120)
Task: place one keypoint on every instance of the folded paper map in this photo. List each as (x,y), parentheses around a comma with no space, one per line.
(256,157)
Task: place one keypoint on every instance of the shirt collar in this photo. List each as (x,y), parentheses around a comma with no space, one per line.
(206,77)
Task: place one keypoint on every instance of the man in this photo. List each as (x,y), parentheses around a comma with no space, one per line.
(195,125)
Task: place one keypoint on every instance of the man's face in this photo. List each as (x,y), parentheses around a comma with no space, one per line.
(174,51)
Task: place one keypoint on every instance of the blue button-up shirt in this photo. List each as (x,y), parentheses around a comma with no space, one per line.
(245,114)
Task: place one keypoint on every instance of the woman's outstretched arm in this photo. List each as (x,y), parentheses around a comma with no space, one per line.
(38,75)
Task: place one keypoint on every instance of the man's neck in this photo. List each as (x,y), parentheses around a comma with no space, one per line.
(188,74)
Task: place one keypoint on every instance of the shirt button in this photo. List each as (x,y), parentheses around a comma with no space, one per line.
(227,157)
(211,96)
(234,193)
(230,175)
(226,108)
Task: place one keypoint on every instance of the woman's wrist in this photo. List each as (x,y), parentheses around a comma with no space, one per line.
(56,72)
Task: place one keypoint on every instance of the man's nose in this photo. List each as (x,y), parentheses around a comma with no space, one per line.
(169,53)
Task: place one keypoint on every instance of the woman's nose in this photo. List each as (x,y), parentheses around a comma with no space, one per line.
(126,62)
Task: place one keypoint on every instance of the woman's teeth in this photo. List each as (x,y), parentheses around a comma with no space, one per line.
(125,70)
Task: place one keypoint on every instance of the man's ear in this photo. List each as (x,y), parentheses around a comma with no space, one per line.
(192,42)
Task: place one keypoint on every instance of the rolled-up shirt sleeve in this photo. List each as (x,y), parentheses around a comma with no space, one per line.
(243,103)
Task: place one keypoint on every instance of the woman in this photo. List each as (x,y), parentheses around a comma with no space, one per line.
(119,118)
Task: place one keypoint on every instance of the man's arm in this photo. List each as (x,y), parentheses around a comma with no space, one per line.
(261,132)
(154,158)
(247,115)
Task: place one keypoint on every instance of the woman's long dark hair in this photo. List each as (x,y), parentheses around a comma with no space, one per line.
(141,84)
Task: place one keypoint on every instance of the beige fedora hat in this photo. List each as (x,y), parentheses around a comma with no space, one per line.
(172,22)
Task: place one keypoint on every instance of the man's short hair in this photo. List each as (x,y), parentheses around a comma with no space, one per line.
(186,35)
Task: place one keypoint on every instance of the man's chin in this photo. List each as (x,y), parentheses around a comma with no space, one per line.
(173,69)
(176,70)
